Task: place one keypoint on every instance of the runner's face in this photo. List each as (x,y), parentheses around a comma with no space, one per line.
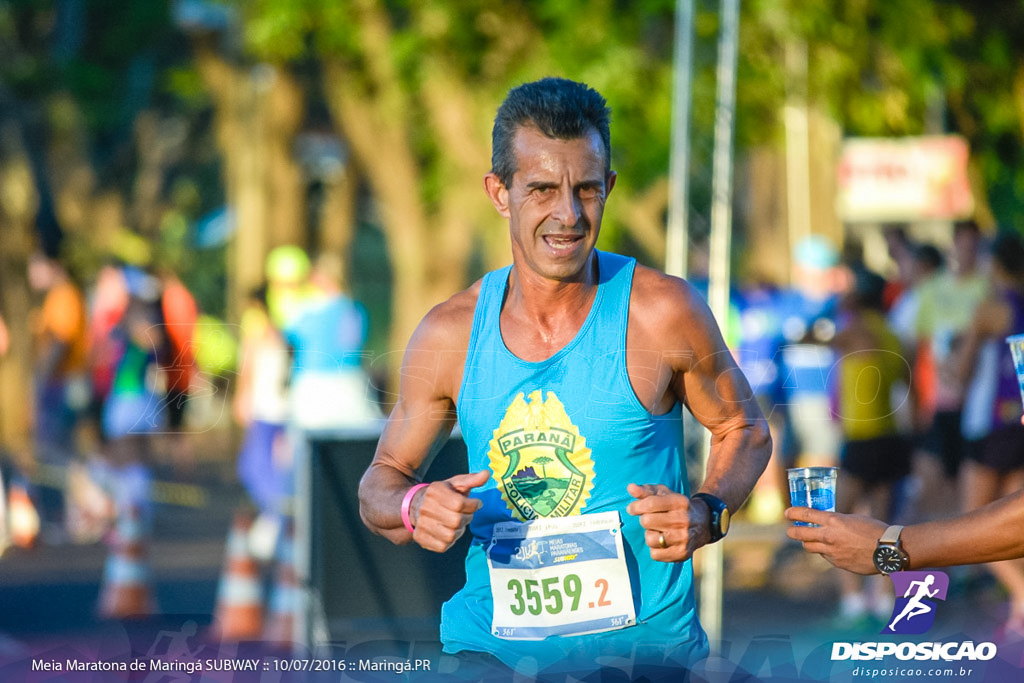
(555,203)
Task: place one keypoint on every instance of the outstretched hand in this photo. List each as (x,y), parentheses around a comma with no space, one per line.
(441,511)
(847,541)
(673,527)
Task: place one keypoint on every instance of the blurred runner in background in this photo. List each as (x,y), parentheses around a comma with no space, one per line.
(261,408)
(758,354)
(329,389)
(61,347)
(180,312)
(994,453)
(875,455)
(133,408)
(808,311)
(947,303)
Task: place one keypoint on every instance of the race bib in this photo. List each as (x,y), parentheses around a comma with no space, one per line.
(559,576)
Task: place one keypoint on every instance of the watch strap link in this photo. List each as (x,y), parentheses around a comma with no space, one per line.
(891,535)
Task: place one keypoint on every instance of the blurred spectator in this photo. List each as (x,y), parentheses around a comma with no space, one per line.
(267,457)
(902,251)
(108,302)
(808,312)
(261,407)
(758,349)
(61,383)
(180,313)
(132,411)
(288,288)
(329,389)
(994,454)
(947,303)
(927,262)
(874,454)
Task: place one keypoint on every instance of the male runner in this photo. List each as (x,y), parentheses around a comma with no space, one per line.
(567,372)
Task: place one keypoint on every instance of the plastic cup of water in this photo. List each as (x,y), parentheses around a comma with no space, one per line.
(1016,343)
(813,487)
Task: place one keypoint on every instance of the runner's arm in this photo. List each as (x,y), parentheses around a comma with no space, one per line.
(988,534)
(719,397)
(699,370)
(417,428)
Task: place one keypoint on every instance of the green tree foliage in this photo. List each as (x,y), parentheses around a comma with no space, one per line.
(102,94)
(622,49)
(902,68)
(413,87)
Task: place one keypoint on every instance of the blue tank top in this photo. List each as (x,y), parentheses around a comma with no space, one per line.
(564,436)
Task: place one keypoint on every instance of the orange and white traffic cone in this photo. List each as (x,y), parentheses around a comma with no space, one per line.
(24,520)
(239,611)
(284,599)
(126,590)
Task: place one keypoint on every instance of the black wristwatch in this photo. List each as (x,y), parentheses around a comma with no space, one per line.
(719,524)
(889,557)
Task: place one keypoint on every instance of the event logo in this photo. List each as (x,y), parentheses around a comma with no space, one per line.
(541,459)
(915,611)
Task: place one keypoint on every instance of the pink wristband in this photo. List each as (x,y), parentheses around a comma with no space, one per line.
(406,502)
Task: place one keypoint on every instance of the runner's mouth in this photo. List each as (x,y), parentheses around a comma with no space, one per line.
(562,242)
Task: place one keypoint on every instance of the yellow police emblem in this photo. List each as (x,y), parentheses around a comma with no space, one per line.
(541,459)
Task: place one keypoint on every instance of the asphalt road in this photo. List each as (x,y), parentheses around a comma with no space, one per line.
(53,589)
(779,608)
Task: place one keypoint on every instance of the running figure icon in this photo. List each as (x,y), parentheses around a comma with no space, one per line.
(916,606)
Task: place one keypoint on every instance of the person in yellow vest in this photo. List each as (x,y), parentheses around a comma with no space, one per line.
(874,454)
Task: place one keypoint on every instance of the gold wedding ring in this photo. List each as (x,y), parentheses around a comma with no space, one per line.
(661,541)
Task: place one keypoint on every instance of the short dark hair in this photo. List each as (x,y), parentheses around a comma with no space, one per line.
(966,226)
(559,108)
(1008,252)
(930,256)
(868,290)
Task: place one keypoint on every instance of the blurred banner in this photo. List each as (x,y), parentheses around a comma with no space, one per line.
(904,179)
(361,586)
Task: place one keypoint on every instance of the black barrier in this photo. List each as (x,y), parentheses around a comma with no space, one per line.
(365,586)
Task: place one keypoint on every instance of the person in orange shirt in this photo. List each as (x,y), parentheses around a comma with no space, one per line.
(180,313)
(61,388)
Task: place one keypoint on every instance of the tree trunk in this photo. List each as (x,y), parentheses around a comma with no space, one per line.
(337,219)
(18,205)
(285,183)
(429,246)
(258,112)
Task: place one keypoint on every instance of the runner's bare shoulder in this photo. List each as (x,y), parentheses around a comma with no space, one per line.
(447,326)
(437,350)
(664,307)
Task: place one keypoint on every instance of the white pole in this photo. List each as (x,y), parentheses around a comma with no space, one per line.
(798,154)
(718,269)
(677,238)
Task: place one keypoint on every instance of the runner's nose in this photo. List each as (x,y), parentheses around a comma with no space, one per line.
(567,211)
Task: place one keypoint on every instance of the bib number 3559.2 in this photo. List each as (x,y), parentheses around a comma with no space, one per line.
(563,576)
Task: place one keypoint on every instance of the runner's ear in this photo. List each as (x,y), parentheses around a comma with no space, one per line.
(498,193)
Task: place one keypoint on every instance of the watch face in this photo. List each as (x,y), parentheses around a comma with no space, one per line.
(888,559)
(723,521)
